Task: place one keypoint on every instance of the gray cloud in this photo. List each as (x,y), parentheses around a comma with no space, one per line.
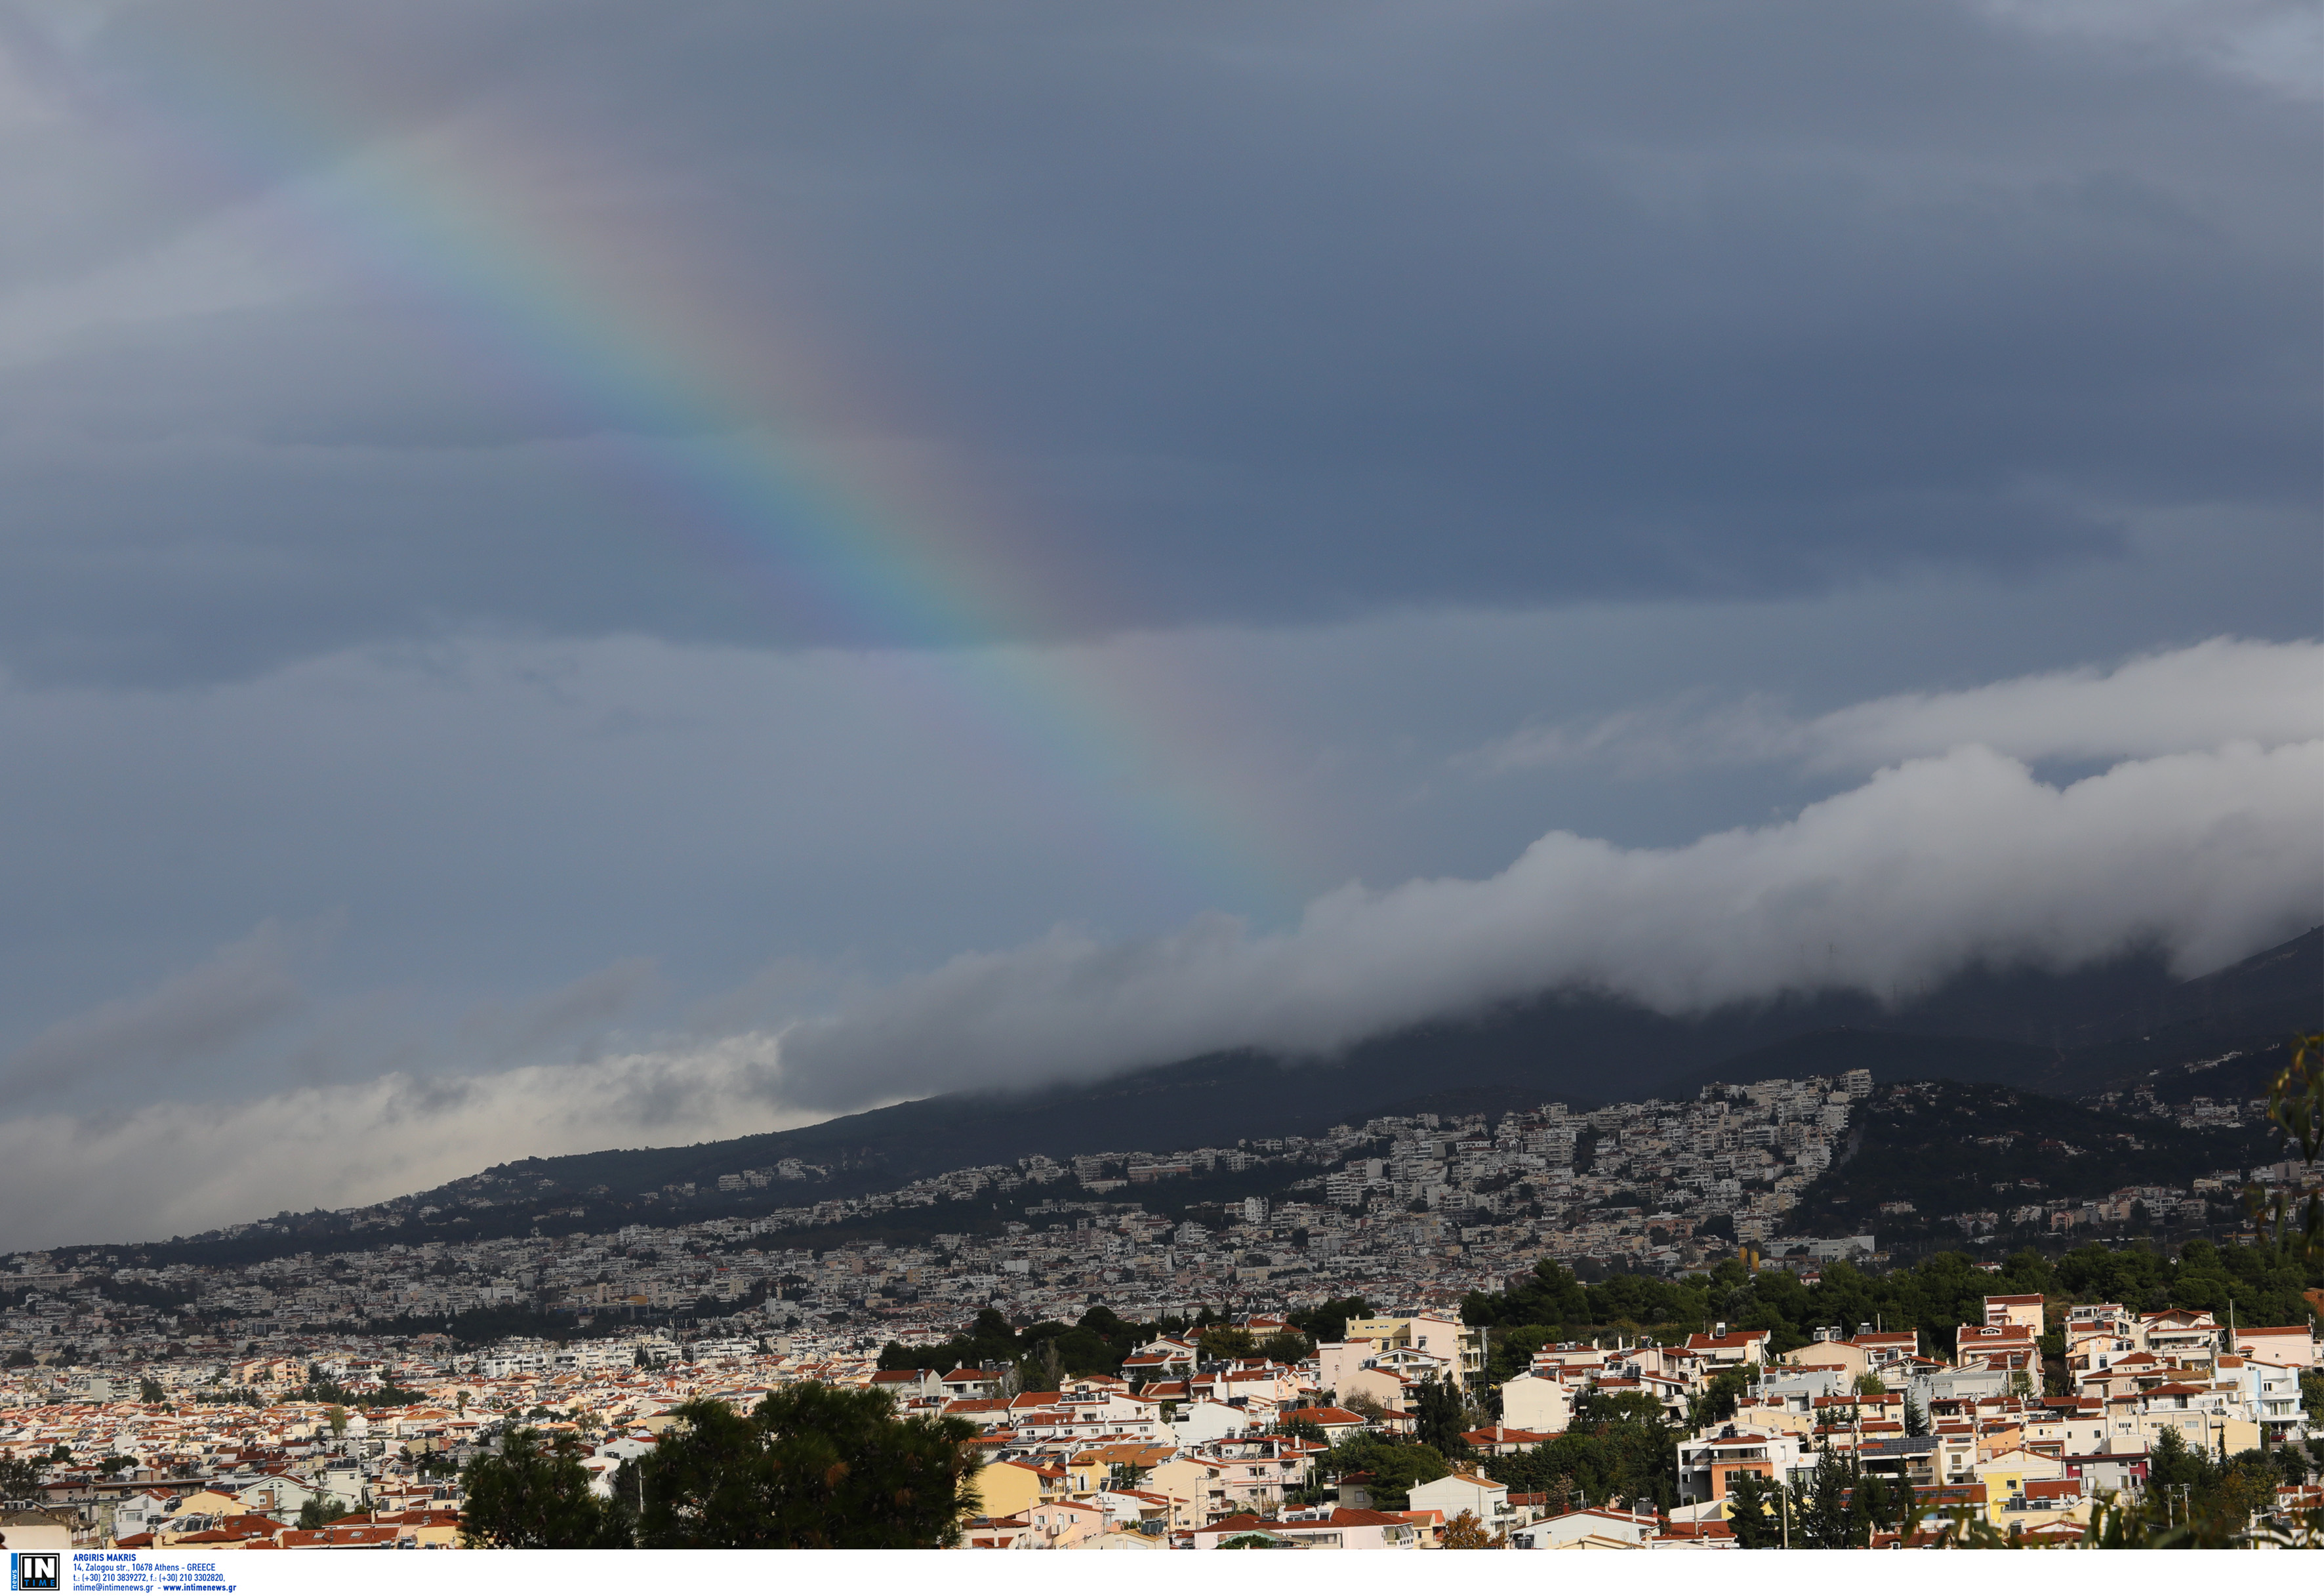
(171,1166)
(2221,691)
(188,1020)
(576,1014)
(2276,42)
(1208,313)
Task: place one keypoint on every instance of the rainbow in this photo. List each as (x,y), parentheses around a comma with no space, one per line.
(724,426)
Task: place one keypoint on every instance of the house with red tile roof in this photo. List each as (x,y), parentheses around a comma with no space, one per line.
(342,1538)
(909,1385)
(1008,1532)
(1708,1534)
(1500,1441)
(1336,1423)
(971,1382)
(1732,1349)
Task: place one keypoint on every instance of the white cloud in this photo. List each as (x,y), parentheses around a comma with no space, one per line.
(1927,866)
(178,1168)
(2222,691)
(2217,692)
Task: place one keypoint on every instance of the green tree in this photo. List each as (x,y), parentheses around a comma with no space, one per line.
(150,1391)
(1553,1296)
(1715,1404)
(1286,1346)
(1328,1320)
(1617,1447)
(320,1510)
(1753,1509)
(1440,1417)
(391,1395)
(2296,1108)
(2171,1463)
(534,1495)
(1053,1350)
(1390,1468)
(2202,1501)
(2293,1461)
(1903,1505)
(1225,1342)
(1045,1370)
(1824,1510)
(20,1479)
(1509,1350)
(811,1466)
(989,1342)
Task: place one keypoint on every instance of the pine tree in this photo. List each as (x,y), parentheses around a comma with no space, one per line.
(1822,1511)
(1753,1503)
(1440,1419)
(534,1497)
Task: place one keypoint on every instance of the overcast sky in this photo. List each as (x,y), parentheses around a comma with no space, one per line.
(576,572)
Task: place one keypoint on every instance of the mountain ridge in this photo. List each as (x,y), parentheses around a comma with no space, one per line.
(2121,1021)
(2066,1031)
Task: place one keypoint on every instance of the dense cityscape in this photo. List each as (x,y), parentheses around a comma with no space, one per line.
(1142,1372)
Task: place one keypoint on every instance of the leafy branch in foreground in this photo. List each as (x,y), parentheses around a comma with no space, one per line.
(2295,1106)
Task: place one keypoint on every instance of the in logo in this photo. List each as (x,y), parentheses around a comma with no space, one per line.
(36,1571)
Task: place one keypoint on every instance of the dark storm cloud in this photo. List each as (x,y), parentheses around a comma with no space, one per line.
(1254,313)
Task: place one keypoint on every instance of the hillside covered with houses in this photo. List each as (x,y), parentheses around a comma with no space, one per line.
(1619,1327)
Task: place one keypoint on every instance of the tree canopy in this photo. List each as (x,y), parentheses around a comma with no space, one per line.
(1391,1467)
(1096,1344)
(1328,1320)
(1934,1296)
(812,1466)
(534,1494)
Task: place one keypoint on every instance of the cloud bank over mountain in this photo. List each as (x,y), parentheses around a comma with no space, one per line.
(1932,864)
(2207,843)
(2204,840)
